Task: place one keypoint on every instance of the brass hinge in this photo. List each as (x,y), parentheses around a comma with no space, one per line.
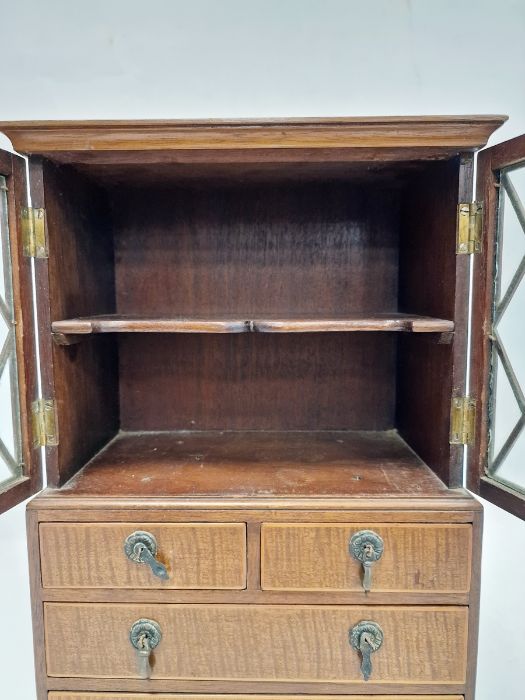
(34,239)
(462,420)
(45,424)
(470,219)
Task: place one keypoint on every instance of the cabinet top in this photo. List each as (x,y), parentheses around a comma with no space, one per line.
(448,133)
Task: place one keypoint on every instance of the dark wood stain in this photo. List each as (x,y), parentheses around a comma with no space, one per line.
(428,273)
(256,464)
(257,381)
(80,279)
(295,249)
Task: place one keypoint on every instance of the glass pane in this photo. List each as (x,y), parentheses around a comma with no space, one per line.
(508,413)
(10,443)
(517,177)
(512,245)
(511,331)
(507,410)
(511,469)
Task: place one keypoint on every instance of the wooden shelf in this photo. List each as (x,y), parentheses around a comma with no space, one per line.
(256,464)
(115,323)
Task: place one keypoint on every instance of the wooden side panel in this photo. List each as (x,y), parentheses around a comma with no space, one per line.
(12,167)
(91,555)
(258,643)
(427,558)
(78,278)
(257,381)
(434,281)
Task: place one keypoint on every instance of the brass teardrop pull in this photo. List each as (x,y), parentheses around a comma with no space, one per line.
(367,547)
(141,547)
(145,635)
(366,638)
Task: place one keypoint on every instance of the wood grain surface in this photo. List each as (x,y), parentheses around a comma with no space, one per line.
(256,464)
(420,557)
(468,131)
(258,643)
(200,556)
(247,249)
(357,322)
(257,381)
(433,280)
(76,279)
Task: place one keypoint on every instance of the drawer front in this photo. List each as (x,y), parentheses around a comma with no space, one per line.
(258,643)
(62,695)
(91,555)
(433,558)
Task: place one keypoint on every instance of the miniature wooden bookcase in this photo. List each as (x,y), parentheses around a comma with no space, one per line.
(253,344)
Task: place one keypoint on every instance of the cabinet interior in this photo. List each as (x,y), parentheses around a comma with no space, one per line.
(271,328)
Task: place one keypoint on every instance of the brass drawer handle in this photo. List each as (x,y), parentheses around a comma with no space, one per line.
(366,637)
(145,635)
(141,547)
(367,547)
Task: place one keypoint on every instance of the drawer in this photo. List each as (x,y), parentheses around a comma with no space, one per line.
(92,555)
(415,557)
(63,695)
(309,644)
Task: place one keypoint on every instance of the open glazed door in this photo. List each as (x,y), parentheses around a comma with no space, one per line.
(20,467)
(497,458)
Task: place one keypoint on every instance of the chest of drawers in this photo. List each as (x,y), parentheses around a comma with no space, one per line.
(262,599)
(253,409)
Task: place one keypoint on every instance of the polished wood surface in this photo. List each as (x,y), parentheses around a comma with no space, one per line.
(447,506)
(454,132)
(272,642)
(252,464)
(428,558)
(197,556)
(357,322)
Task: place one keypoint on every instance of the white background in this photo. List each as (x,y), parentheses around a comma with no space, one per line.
(242,58)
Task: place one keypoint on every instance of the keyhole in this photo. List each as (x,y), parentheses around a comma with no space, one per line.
(368,551)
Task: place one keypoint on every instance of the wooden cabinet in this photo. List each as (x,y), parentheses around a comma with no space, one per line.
(253,353)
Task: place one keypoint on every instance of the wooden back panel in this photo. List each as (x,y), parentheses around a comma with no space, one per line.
(257,381)
(286,249)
